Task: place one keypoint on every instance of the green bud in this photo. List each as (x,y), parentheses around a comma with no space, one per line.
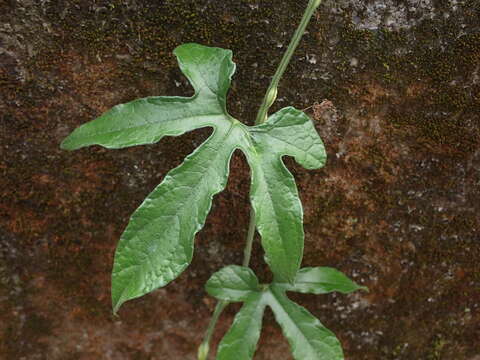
(271,96)
(203,351)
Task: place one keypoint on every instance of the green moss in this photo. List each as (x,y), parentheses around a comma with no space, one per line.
(431,76)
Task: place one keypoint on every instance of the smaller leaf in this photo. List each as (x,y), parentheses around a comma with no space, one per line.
(232,283)
(322,280)
(308,338)
(241,340)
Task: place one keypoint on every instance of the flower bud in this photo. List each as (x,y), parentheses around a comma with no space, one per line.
(203,351)
(271,96)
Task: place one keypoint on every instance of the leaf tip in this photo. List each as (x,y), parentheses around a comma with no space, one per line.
(71,142)
(186,49)
(116,304)
(66,144)
(118,296)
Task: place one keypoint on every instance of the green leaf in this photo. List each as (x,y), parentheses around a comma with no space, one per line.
(232,283)
(241,339)
(274,195)
(157,244)
(308,338)
(146,121)
(322,280)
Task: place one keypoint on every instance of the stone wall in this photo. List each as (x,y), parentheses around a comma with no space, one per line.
(394,89)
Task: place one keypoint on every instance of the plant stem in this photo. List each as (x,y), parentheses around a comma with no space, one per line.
(267,102)
(250,235)
(205,346)
(271,93)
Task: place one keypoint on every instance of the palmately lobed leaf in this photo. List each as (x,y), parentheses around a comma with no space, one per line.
(157,244)
(309,339)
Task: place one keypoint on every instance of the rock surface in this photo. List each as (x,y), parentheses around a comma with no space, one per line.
(394,89)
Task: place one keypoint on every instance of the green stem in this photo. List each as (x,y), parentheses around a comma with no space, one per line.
(267,102)
(250,235)
(205,346)
(271,93)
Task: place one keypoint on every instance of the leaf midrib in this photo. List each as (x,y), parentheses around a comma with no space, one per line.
(269,196)
(160,122)
(194,194)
